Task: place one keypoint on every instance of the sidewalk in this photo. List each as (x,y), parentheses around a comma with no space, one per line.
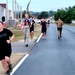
(19,50)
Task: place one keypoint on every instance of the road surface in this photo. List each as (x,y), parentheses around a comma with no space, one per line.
(51,56)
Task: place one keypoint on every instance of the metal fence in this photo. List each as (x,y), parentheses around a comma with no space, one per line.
(11,23)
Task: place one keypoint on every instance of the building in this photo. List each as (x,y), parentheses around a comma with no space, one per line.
(4,13)
(2,10)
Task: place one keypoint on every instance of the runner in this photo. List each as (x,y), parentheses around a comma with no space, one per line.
(48,22)
(59,24)
(32,28)
(43,27)
(26,28)
(6,36)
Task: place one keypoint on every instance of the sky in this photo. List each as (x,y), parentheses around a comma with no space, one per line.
(42,5)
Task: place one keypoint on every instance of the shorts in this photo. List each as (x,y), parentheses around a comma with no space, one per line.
(31,29)
(43,30)
(59,29)
(5,51)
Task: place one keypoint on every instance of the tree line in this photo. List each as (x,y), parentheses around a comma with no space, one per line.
(67,14)
(39,15)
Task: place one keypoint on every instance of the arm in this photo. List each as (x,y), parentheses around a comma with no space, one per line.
(47,25)
(41,24)
(62,23)
(11,38)
(21,25)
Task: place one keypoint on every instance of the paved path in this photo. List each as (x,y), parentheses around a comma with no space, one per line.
(19,47)
(51,56)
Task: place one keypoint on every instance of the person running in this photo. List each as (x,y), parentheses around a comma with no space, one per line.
(48,22)
(59,24)
(26,28)
(43,27)
(32,28)
(6,36)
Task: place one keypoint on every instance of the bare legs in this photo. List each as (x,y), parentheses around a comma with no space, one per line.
(31,34)
(59,34)
(5,63)
(44,35)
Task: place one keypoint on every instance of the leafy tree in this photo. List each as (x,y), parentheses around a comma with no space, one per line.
(43,14)
(36,14)
(23,14)
(66,14)
(69,15)
(51,13)
(73,13)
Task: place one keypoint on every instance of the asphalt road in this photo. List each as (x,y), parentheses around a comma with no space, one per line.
(51,56)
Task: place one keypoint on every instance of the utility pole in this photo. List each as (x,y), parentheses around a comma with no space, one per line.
(12,9)
(20,12)
(6,10)
(15,8)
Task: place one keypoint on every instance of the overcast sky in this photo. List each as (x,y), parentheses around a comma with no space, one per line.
(42,5)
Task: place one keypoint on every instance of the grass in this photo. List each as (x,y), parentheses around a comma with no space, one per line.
(19,34)
(71,24)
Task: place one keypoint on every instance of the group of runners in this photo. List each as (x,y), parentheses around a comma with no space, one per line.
(27,25)
(45,25)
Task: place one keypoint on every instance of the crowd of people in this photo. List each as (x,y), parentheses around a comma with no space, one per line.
(27,26)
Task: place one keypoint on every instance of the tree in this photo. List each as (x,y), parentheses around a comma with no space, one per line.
(43,14)
(24,12)
(51,13)
(37,14)
(66,15)
(69,15)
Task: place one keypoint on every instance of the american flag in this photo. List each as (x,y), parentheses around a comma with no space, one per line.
(27,9)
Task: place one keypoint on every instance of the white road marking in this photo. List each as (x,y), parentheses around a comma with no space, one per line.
(39,38)
(17,66)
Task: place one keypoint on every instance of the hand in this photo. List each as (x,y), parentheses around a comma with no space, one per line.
(8,41)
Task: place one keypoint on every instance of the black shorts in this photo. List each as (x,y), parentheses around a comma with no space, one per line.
(43,30)
(59,29)
(31,29)
(5,51)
